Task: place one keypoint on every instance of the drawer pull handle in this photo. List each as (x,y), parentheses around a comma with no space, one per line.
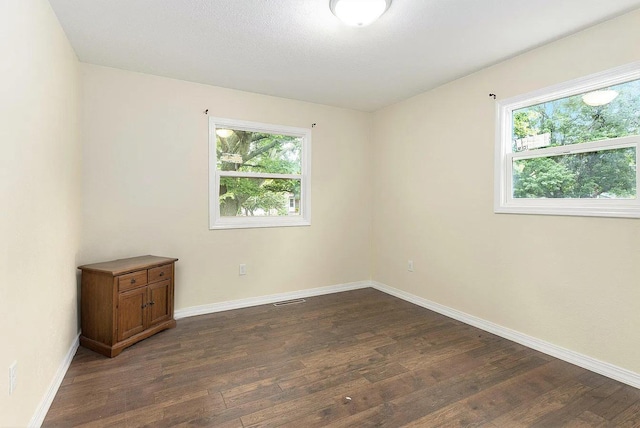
(161,273)
(133,280)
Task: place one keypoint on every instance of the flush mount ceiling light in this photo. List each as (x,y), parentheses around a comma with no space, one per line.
(224,133)
(599,98)
(358,13)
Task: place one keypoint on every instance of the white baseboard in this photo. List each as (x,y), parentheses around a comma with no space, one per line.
(271,298)
(45,403)
(609,370)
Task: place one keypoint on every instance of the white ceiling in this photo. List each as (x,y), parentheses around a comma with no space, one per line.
(298,49)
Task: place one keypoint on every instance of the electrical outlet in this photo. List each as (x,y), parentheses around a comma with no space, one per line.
(243,269)
(13,373)
(410,265)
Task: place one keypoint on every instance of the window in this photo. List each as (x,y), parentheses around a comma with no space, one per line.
(571,149)
(259,175)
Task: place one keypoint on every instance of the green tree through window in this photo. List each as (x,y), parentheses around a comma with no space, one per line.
(247,151)
(569,121)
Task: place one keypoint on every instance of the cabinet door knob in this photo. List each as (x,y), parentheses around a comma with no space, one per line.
(161,273)
(152,303)
(144,306)
(133,280)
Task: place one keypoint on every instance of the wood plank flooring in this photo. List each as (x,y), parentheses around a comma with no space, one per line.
(353,359)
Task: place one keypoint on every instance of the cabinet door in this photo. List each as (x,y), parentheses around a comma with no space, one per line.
(159,302)
(132,312)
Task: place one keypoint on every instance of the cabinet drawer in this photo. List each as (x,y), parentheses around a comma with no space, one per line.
(160,273)
(132,280)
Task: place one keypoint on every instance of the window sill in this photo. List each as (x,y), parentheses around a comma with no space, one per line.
(576,211)
(256,222)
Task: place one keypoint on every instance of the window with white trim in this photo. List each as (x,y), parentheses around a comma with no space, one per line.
(259,175)
(571,149)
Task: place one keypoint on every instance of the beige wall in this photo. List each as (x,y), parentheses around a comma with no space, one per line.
(40,194)
(145,188)
(570,281)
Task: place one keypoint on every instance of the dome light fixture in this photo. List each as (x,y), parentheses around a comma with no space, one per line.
(359,13)
(599,98)
(224,133)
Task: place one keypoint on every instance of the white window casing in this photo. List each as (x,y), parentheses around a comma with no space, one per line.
(216,221)
(504,202)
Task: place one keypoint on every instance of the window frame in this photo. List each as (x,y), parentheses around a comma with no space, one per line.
(216,221)
(505,203)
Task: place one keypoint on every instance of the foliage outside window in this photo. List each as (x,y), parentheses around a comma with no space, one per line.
(259,174)
(571,149)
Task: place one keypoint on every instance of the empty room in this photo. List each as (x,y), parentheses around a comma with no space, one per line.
(310,213)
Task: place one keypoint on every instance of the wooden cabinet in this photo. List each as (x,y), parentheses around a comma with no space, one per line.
(124,301)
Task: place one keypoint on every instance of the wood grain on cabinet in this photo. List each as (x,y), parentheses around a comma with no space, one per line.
(124,301)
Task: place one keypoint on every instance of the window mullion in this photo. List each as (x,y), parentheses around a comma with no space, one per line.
(592,146)
(243,174)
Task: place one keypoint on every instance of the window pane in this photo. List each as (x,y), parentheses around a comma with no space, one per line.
(609,174)
(259,197)
(250,151)
(578,119)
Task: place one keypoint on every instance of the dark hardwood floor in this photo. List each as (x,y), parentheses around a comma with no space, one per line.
(354,359)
